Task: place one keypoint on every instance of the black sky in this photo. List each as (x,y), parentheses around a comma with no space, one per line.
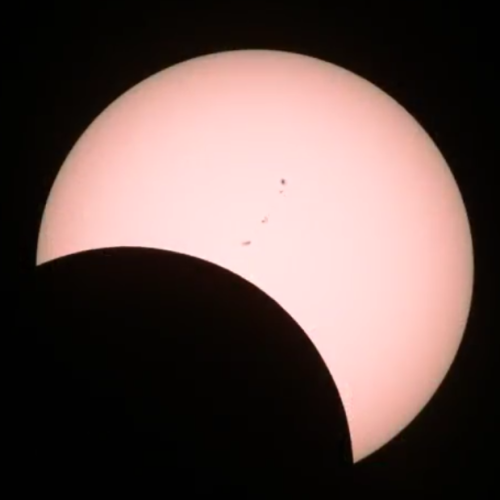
(65,64)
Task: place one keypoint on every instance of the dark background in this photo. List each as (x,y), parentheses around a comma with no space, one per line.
(66,63)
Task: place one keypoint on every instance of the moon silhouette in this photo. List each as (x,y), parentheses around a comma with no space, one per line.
(151,368)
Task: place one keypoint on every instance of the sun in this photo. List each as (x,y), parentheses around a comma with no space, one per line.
(306,180)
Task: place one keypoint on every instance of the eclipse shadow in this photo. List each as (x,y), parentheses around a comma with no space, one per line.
(156,367)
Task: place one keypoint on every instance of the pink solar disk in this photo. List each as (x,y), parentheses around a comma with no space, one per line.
(306,180)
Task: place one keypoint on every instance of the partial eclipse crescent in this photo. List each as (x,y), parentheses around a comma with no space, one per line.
(306,180)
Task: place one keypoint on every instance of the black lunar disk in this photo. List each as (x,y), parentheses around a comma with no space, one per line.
(147,364)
